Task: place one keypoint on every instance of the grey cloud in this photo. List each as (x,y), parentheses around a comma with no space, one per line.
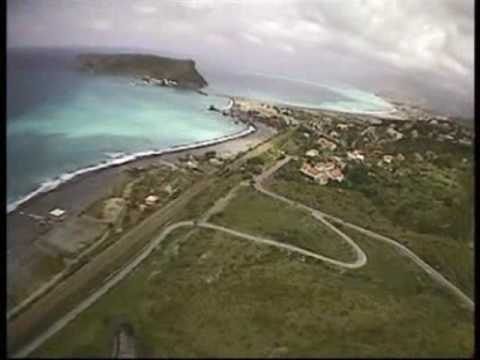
(418,47)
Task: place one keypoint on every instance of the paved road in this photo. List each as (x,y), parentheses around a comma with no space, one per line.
(99,292)
(33,319)
(434,274)
(407,252)
(359,262)
(361,258)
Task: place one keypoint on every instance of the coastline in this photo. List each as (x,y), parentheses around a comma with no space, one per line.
(380,113)
(76,193)
(52,184)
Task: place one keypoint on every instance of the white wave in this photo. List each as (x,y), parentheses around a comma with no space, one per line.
(52,184)
(115,155)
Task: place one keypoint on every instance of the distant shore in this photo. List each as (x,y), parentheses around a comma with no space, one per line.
(391,114)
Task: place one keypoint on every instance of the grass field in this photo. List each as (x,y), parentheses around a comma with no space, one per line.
(208,294)
(216,295)
(258,214)
(410,212)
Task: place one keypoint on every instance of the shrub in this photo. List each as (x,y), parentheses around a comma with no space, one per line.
(358,175)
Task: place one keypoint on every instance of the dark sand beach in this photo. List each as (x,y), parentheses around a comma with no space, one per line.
(78,193)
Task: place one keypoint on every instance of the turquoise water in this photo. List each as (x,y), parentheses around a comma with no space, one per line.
(62,123)
(292,91)
(93,122)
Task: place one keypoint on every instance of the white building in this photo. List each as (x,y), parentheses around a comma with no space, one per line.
(57,214)
(151,200)
(388,159)
(312,153)
(355,155)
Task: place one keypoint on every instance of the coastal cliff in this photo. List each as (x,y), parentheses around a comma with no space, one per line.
(182,72)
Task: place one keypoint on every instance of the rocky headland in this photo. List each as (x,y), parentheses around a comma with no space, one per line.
(151,69)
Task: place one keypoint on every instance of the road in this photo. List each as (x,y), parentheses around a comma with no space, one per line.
(55,303)
(361,258)
(360,261)
(434,274)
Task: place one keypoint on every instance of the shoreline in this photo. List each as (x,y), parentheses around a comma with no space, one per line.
(114,161)
(75,194)
(52,184)
(380,113)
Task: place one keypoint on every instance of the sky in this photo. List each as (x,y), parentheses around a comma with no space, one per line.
(421,50)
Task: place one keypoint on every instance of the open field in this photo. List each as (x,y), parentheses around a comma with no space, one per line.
(216,295)
(257,214)
(220,291)
(62,299)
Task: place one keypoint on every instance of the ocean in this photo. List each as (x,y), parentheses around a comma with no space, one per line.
(62,123)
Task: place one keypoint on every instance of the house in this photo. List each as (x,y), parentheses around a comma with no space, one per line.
(326,144)
(355,155)
(400,157)
(314,173)
(57,214)
(323,172)
(312,153)
(339,162)
(342,126)
(388,159)
(394,133)
(151,200)
(336,175)
(333,134)
(328,166)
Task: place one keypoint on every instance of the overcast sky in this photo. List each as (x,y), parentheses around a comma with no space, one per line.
(420,48)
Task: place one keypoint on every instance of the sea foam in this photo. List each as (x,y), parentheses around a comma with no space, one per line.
(121,158)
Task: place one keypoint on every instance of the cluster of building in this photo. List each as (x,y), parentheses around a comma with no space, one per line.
(323,172)
(271,115)
(148,80)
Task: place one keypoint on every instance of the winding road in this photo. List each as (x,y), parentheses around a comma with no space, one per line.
(361,258)
(434,274)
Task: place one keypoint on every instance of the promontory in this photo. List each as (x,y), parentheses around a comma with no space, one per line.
(181,72)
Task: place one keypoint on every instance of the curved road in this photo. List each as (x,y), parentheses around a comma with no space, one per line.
(434,274)
(361,258)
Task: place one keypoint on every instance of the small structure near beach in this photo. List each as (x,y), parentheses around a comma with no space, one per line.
(57,214)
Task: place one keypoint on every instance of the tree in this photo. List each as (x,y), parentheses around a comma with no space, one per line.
(358,175)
